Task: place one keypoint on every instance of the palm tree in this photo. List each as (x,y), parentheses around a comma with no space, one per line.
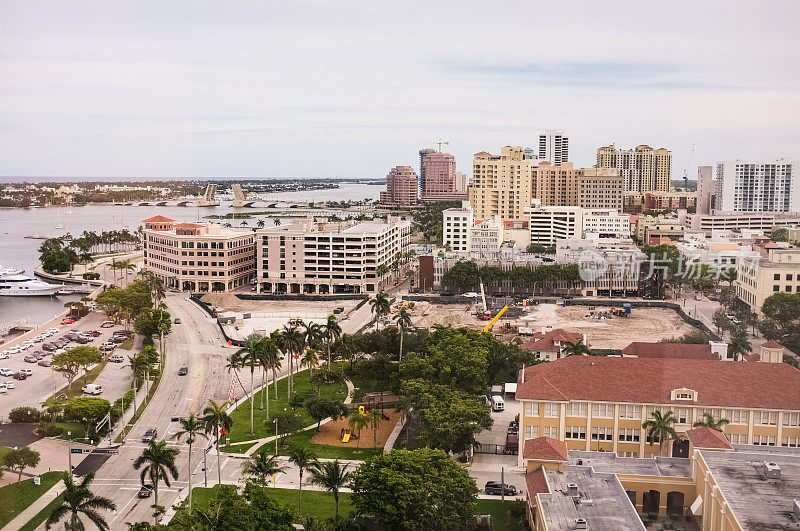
(214,419)
(332,332)
(739,344)
(375,417)
(310,359)
(576,348)
(660,425)
(709,422)
(157,462)
(292,342)
(381,271)
(137,365)
(332,477)
(250,355)
(77,500)
(380,306)
(403,319)
(260,224)
(304,459)
(263,466)
(191,427)
(357,422)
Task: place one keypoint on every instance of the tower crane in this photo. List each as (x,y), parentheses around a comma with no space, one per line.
(686,170)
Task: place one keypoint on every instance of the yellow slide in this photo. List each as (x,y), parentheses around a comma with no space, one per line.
(346,437)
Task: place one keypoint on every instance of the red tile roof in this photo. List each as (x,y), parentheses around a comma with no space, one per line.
(546,341)
(188,226)
(642,349)
(651,381)
(545,449)
(157,219)
(772,344)
(536,482)
(708,438)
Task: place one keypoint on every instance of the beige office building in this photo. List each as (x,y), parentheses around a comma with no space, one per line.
(643,169)
(198,257)
(501,185)
(758,278)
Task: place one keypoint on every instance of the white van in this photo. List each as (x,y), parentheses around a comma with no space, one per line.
(117,358)
(498,404)
(92,389)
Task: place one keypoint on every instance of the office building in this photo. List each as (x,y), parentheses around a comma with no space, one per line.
(705,189)
(605,223)
(462,182)
(437,177)
(738,221)
(501,184)
(456,228)
(600,188)
(548,224)
(553,147)
(317,257)
(757,277)
(643,169)
(564,185)
(744,186)
(198,257)
(401,187)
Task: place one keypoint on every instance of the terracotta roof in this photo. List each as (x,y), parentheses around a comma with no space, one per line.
(188,226)
(772,344)
(753,357)
(536,483)
(545,449)
(652,380)
(708,438)
(157,219)
(685,351)
(546,341)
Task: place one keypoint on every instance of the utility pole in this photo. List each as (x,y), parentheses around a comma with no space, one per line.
(205,468)
(502,483)
(69,438)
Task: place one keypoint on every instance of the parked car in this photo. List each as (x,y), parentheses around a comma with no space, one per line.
(95,333)
(149,435)
(145,491)
(2,388)
(38,355)
(10,384)
(121,333)
(30,358)
(45,363)
(117,358)
(183,371)
(5,371)
(4,356)
(92,389)
(67,321)
(26,372)
(497,488)
(20,376)
(177,320)
(49,346)
(118,340)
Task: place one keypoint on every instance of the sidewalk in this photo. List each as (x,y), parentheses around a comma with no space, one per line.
(33,509)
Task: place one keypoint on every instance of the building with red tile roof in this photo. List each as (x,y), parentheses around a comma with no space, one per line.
(549,345)
(708,351)
(705,438)
(545,449)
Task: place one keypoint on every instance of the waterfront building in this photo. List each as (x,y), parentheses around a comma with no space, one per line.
(553,147)
(748,186)
(319,257)
(643,169)
(198,257)
(401,187)
(437,177)
(758,277)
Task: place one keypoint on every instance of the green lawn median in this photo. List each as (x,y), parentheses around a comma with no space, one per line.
(16,497)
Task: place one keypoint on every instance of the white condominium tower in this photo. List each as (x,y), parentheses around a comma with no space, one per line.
(744,186)
(553,147)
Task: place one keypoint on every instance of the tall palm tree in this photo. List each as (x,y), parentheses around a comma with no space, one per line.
(215,418)
(191,427)
(576,348)
(660,425)
(304,459)
(331,332)
(357,422)
(381,271)
(137,366)
(79,500)
(157,462)
(292,342)
(375,416)
(250,355)
(310,359)
(709,422)
(403,319)
(263,466)
(380,306)
(331,476)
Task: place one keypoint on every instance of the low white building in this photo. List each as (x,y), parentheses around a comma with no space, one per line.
(549,224)
(608,223)
(456,226)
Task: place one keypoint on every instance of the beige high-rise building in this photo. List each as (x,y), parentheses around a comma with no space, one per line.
(501,185)
(643,169)
(600,188)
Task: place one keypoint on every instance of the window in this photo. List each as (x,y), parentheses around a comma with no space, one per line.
(629,435)
(791,419)
(716,414)
(737,438)
(738,416)
(531,409)
(551,431)
(628,454)
(602,434)
(575,433)
(531,432)
(576,409)
(764,440)
(683,415)
(629,411)
(791,442)
(776,276)
(765,418)
(551,409)
(604,411)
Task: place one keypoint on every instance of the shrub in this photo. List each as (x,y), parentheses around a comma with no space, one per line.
(24,414)
(49,430)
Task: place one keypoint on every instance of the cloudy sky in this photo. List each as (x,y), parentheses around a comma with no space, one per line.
(350,88)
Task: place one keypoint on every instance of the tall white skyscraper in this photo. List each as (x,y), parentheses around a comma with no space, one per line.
(744,186)
(553,147)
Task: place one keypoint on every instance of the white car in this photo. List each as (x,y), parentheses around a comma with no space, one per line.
(4,356)
(10,384)
(2,388)
(26,372)
(14,350)
(5,371)
(59,351)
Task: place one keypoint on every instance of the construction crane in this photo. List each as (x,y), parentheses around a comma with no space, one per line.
(489,326)
(483,312)
(439,143)
(686,170)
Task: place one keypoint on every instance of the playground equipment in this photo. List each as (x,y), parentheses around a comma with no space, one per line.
(346,434)
(489,326)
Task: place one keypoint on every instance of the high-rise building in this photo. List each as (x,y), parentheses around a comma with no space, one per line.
(643,169)
(705,189)
(401,187)
(437,177)
(501,184)
(553,147)
(462,182)
(758,186)
(564,185)
(600,188)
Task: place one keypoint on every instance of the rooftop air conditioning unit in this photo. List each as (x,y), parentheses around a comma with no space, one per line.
(580,523)
(580,462)
(572,489)
(771,470)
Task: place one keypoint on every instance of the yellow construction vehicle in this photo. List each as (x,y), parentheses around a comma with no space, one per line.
(489,326)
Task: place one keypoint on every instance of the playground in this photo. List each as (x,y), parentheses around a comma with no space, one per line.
(338,433)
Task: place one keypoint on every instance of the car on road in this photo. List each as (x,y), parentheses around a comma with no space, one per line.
(45,363)
(5,371)
(145,491)
(92,389)
(177,320)
(67,321)
(107,324)
(496,488)
(149,435)
(183,371)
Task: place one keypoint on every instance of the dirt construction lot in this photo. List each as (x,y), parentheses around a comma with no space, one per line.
(644,324)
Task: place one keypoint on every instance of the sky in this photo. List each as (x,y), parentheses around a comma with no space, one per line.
(352,88)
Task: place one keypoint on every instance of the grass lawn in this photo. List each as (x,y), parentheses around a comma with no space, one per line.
(127,344)
(16,497)
(3,451)
(42,515)
(77,429)
(499,510)
(237,448)
(241,415)
(303,439)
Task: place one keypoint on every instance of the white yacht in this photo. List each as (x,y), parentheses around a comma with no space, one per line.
(23,286)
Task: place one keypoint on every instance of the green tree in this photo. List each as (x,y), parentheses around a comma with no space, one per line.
(304,459)
(251,354)
(262,467)
(660,426)
(357,422)
(77,500)
(739,344)
(190,428)
(721,321)
(415,490)
(380,306)
(331,332)
(215,419)
(709,422)
(781,319)
(86,409)
(321,408)
(461,276)
(576,348)
(331,476)
(403,319)
(20,459)
(67,364)
(157,462)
